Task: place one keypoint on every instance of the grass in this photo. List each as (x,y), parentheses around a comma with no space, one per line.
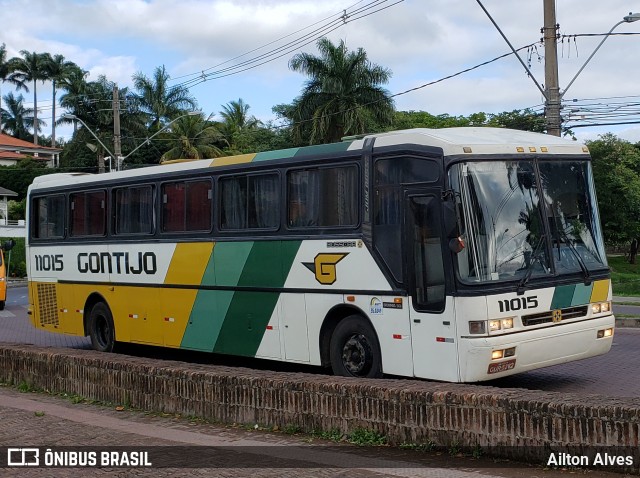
(625,277)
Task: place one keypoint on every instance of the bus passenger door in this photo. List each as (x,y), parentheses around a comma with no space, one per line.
(433,332)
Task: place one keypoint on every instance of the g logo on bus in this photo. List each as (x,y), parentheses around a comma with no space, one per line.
(324,267)
(556,316)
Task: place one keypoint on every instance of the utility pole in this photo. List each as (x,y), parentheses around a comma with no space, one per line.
(552,89)
(117,146)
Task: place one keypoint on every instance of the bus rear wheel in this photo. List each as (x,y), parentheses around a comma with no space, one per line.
(101,329)
(354,349)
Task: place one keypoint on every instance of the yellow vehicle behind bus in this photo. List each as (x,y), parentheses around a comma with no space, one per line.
(3,272)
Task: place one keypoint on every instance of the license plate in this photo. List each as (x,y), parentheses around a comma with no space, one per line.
(502,366)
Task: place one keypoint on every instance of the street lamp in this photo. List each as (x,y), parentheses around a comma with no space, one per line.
(120,159)
(74,117)
(632,17)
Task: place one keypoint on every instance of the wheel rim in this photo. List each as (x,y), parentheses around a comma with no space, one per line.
(357,355)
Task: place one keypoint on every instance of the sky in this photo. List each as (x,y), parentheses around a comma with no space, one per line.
(420,41)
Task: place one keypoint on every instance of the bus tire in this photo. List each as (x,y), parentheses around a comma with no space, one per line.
(2,304)
(354,349)
(101,328)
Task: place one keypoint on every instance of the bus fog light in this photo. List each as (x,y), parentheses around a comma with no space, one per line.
(605,333)
(477,327)
(494,325)
(507,323)
(510,352)
(497,354)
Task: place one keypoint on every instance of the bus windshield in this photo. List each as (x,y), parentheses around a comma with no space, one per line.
(526,219)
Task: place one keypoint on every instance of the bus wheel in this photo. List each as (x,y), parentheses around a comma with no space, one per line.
(354,349)
(1,304)
(101,329)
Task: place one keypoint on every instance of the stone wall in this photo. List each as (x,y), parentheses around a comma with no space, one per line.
(513,423)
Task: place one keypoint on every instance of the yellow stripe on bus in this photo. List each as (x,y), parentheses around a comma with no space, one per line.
(187,267)
(226,161)
(600,291)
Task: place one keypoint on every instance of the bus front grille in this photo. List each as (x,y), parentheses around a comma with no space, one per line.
(48,304)
(547,317)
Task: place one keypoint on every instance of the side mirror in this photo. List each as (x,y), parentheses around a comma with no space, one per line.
(8,245)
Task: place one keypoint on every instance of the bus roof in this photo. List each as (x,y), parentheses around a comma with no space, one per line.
(453,141)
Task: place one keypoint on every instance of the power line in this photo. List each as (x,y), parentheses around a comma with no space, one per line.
(290,46)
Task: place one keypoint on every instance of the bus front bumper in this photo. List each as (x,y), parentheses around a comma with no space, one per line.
(534,349)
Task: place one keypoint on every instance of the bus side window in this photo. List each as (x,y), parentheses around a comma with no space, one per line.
(49,217)
(324,197)
(88,213)
(134,210)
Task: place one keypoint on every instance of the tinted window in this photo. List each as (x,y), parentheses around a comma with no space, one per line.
(48,217)
(406,171)
(323,197)
(134,210)
(186,206)
(250,202)
(88,213)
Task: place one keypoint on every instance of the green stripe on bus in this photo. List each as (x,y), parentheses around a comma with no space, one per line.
(282,153)
(268,264)
(211,306)
(562,296)
(324,148)
(582,294)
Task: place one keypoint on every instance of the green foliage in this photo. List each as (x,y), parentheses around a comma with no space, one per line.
(333,434)
(341,96)
(19,177)
(365,437)
(625,277)
(616,171)
(525,120)
(17,209)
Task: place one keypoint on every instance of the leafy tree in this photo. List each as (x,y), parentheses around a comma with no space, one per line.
(17,209)
(342,95)
(32,67)
(18,120)
(616,170)
(20,176)
(525,120)
(422,119)
(160,101)
(262,138)
(193,137)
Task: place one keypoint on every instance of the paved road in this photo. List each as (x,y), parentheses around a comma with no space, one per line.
(613,374)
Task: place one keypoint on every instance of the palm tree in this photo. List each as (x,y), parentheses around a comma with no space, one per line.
(342,93)
(5,72)
(31,67)
(193,137)
(57,69)
(236,119)
(74,85)
(18,120)
(159,100)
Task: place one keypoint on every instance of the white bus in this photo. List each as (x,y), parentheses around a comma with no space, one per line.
(460,254)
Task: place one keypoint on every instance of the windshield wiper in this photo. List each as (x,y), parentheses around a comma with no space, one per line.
(534,257)
(585,270)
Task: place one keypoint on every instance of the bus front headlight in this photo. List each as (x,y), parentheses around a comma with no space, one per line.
(477,327)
